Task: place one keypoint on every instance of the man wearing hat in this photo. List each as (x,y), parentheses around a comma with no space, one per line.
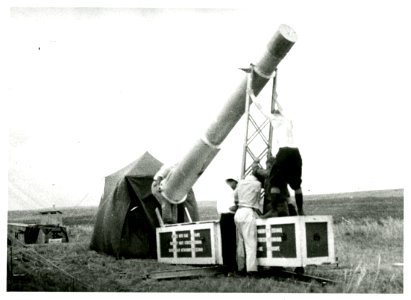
(226,208)
(247,195)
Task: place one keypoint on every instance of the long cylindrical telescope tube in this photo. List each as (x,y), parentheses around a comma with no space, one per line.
(181,179)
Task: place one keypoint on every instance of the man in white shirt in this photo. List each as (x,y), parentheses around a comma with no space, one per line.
(247,195)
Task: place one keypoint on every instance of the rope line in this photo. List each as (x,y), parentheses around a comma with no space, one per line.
(49,262)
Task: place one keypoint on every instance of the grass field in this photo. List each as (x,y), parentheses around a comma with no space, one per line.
(368,230)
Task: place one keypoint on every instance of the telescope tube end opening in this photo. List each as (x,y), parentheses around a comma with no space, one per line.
(282,41)
(288,33)
(278,47)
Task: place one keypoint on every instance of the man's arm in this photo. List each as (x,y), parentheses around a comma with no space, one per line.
(258,105)
(260,173)
(276,118)
(236,197)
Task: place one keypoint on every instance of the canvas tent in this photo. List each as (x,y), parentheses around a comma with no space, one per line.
(126,220)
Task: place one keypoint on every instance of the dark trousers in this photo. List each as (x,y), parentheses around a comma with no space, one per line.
(228,241)
(287,169)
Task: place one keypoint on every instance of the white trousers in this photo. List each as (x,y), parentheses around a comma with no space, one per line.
(246,239)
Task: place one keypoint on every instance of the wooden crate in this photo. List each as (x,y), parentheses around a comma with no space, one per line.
(190,243)
(295,241)
(282,242)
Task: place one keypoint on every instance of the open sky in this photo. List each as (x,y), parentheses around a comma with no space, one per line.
(91,89)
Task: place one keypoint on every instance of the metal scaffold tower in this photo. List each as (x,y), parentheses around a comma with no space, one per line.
(259,131)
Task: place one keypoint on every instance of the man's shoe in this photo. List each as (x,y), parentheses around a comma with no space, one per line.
(230,274)
(292,210)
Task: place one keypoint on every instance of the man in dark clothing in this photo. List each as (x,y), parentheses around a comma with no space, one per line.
(226,209)
(287,167)
(263,176)
(286,171)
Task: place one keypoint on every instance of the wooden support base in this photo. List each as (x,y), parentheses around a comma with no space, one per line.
(186,273)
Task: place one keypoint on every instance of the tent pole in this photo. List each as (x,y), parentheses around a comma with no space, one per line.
(188,215)
(160,220)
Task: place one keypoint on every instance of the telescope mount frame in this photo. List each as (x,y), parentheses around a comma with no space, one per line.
(257,130)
